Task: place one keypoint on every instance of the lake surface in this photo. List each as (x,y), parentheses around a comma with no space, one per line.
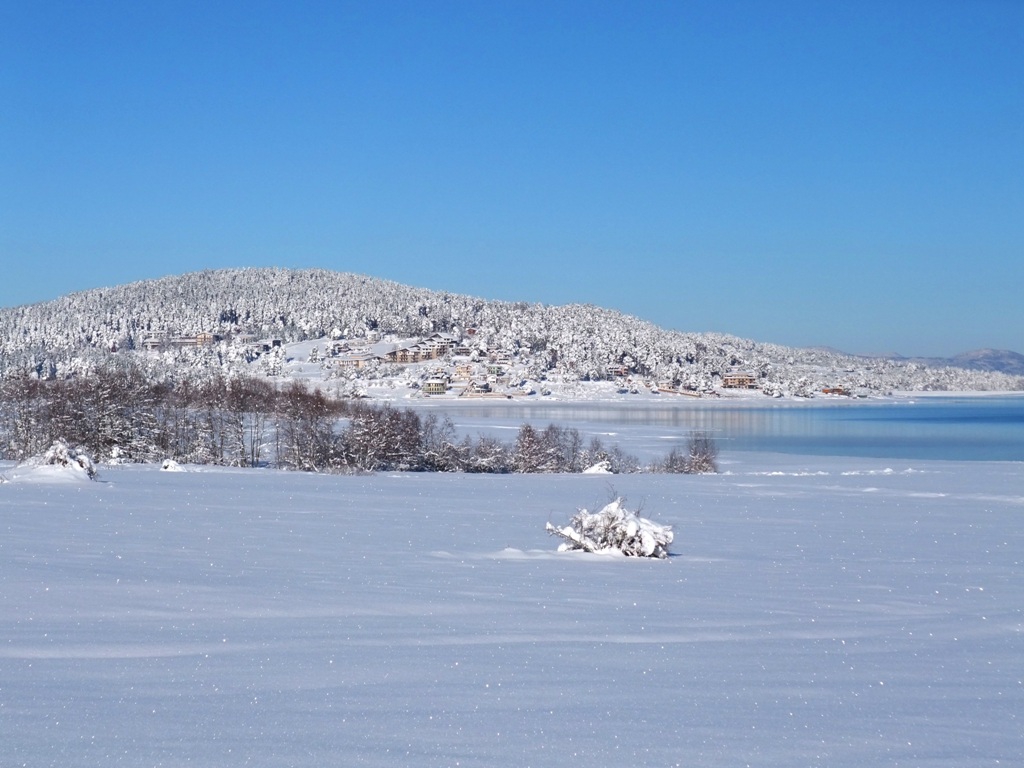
(953,428)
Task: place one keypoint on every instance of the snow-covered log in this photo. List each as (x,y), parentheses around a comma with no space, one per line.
(614,529)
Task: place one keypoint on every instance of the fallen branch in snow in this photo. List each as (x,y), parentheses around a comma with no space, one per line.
(575,540)
(614,529)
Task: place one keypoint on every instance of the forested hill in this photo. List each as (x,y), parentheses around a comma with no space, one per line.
(60,336)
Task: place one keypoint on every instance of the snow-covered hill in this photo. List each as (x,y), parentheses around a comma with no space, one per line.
(576,343)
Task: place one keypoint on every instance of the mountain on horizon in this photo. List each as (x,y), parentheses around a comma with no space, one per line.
(998,360)
(987,359)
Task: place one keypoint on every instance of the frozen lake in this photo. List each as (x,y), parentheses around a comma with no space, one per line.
(822,611)
(955,428)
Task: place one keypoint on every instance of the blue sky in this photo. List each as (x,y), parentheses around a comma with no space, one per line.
(848,174)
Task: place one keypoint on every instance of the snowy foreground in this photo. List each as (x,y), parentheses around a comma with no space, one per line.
(815,612)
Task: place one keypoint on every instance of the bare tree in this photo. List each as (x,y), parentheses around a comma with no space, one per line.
(442,450)
(249,404)
(384,438)
(699,457)
(703,453)
(490,455)
(528,453)
(305,428)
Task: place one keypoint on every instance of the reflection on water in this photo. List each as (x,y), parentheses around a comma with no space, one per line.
(981,429)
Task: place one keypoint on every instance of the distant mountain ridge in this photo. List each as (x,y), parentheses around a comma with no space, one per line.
(1000,360)
(71,335)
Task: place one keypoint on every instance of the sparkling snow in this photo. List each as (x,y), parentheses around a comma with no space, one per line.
(825,612)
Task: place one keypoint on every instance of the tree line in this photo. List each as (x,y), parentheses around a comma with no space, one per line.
(119,414)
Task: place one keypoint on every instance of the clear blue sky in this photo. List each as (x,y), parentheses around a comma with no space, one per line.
(810,173)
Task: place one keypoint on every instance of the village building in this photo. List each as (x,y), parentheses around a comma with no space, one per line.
(357,360)
(836,391)
(410,354)
(739,381)
(434,386)
(155,341)
(618,371)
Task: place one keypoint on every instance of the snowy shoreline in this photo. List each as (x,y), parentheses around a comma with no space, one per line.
(814,610)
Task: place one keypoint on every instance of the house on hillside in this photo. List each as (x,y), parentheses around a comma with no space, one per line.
(739,381)
(357,360)
(155,342)
(442,342)
(417,351)
(435,386)
(408,354)
(842,391)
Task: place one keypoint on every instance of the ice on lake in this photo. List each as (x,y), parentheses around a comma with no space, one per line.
(815,611)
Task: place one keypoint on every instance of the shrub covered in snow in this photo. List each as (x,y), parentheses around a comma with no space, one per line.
(614,529)
(60,454)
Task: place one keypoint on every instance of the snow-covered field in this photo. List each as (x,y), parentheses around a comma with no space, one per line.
(816,612)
